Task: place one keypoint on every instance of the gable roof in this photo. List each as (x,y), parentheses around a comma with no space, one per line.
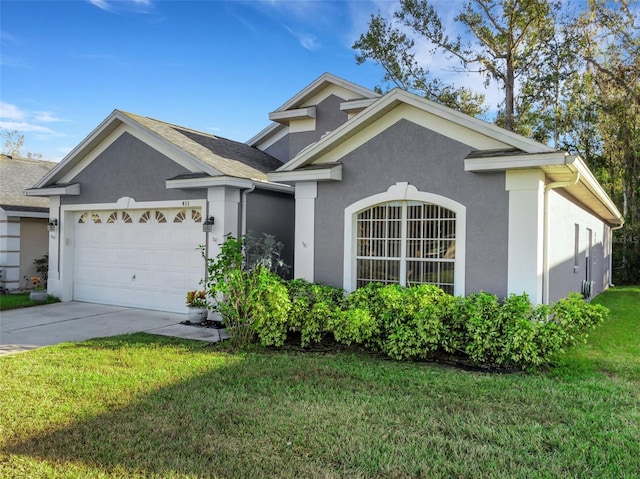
(16,175)
(326,81)
(495,149)
(443,119)
(199,152)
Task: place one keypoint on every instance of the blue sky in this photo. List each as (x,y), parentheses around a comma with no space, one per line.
(215,66)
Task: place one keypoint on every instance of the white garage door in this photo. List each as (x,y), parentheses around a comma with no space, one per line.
(140,258)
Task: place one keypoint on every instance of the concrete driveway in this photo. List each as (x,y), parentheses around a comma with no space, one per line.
(28,328)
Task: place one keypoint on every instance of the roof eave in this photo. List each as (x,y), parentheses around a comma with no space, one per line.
(231,181)
(67,190)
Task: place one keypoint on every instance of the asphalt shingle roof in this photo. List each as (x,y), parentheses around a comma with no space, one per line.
(17,174)
(230,158)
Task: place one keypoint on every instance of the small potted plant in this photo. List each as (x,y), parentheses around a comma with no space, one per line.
(197,310)
(38,294)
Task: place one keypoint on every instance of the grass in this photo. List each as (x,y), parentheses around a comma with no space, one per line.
(146,406)
(21,300)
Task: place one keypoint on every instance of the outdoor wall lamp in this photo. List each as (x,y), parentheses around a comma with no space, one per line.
(53,224)
(207,226)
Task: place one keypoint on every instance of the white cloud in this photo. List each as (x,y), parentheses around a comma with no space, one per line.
(140,6)
(101,4)
(307,40)
(23,126)
(10,112)
(46,117)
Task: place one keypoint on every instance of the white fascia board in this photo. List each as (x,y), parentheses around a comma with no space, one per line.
(26,214)
(93,136)
(241,183)
(285,117)
(492,131)
(587,178)
(320,83)
(105,134)
(356,105)
(320,174)
(501,163)
(73,189)
(265,136)
(398,97)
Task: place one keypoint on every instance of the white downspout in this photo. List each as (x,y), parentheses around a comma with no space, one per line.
(545,243)
(245,193)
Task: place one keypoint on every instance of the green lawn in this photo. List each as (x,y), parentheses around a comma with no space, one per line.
(147,406)
(21,300)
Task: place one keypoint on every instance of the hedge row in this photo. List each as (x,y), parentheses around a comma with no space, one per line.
(416,322)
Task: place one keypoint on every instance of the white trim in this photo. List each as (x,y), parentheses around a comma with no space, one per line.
(403,191)
(61,243)
(323,82)
(304,248)
(525,268)
(308,112)
(212,181)
(355,106)
(501,163)
(322,87)
(73,189)
(25,214)
(333,173)
(268,136)
(439,118)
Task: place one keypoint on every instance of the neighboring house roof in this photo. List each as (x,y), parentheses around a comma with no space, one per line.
(16,175)
(495,149)
(198,151)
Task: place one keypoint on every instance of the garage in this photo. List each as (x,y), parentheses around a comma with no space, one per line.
(146,258)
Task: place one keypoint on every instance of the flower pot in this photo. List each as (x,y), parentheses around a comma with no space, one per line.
(196,315)
(39,296)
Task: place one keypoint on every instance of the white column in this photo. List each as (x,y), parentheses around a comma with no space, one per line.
(223,205)
(54,285)
(304,256)
(526,233)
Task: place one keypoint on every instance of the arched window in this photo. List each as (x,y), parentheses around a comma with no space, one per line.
(406,237)
(406,242)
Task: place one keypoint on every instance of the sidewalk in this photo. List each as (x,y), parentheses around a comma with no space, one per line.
(29,328)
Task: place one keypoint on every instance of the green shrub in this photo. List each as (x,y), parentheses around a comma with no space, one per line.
(354,326)
(410,320)
(575,318)
(313,308)
(480,313)
(402,322)
(271,309)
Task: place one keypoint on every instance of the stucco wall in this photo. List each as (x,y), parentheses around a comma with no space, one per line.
(280,149)
(34,244)
(566,271)
(129,167)
(273,213)
(433,163)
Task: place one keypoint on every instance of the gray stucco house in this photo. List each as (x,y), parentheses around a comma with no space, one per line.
(131,201)
(23,220)
(361,187)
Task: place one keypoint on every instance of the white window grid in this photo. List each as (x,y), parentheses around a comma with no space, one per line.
(406,242)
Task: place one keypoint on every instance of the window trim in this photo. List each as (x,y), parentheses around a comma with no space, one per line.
(403,191)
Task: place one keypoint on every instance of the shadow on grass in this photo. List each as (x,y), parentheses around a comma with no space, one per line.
(279,415)
(202,426)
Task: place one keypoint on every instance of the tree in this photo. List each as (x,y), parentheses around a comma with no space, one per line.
(391,48)
(611,51)
(13,144)
(507,38)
